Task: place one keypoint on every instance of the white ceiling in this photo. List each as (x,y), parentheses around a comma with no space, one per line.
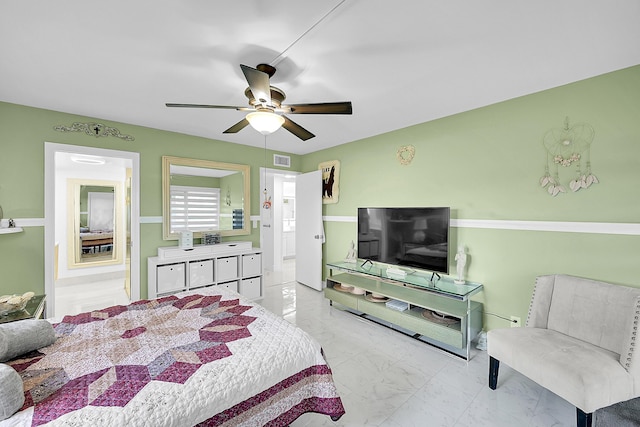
(400,62)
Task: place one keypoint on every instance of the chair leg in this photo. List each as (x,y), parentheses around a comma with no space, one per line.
(494,365)
(583,419)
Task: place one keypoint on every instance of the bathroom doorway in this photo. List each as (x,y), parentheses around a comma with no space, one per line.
(278,225)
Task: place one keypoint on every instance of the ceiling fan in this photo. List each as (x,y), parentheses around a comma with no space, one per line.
(267,112)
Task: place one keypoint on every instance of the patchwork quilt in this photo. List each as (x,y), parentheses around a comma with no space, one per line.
(206,357)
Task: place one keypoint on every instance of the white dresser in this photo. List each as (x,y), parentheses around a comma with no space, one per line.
(234,265)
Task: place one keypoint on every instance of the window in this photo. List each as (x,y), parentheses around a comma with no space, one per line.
(194,208)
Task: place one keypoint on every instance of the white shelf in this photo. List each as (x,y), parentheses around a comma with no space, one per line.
(233,265)
(11,230)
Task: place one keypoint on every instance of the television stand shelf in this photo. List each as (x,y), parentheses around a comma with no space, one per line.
(440,313)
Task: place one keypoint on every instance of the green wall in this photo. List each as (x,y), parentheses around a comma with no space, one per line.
(484,164)
(195,181)
(23,132)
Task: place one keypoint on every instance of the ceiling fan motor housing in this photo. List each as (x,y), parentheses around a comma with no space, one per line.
(277,96)
(266,68)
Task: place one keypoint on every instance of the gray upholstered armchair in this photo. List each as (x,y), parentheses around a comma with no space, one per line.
(579,342)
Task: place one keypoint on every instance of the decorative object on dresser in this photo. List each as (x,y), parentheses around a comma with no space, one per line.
(579,343)
(186,240)
(234,265)
(210,238)
(437,312)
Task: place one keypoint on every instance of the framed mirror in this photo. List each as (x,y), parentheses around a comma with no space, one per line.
(204,196)
(94,223)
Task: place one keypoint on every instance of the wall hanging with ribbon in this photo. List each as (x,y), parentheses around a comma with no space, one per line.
(568,147)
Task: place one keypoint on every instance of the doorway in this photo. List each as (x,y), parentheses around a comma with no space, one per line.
(105,271)
(278,226)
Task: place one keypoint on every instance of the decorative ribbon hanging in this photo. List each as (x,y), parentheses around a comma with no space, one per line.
(566,147)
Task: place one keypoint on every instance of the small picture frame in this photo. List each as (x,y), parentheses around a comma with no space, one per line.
(330,181)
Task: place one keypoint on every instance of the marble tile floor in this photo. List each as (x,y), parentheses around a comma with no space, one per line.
(286,274)
(91,295)
(387,379)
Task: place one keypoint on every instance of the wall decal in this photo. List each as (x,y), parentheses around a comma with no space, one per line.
(568,147)
(405,154)
(94,129)
(330,181)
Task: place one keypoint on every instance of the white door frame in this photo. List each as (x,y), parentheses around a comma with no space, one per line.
(50,149)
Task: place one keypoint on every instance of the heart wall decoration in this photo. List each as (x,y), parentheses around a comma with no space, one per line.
(568,147)
(405,154)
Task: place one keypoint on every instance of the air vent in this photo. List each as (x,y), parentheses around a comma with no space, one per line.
(279,160)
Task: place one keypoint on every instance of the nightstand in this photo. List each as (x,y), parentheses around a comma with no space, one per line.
(33,310)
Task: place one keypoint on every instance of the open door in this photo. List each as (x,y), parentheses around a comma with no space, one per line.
(309,229)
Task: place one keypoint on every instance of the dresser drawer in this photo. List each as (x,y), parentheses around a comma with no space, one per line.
(227,269)
(251,265)
(251,288)
(171,278)
(233,285)
(200,273)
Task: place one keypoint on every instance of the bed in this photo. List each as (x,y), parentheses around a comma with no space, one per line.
(208,357)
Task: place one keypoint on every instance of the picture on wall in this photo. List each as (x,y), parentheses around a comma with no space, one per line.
(330,181)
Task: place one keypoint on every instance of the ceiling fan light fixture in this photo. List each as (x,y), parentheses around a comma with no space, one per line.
(265,122)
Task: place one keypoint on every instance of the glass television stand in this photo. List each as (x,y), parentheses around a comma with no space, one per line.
(421,304)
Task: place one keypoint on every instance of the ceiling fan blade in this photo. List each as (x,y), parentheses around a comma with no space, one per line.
(226,107)
(259,84)
(320,108)
(296,129)
(238,126)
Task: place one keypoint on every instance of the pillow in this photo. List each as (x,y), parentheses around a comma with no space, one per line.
(23,336)
(11,391)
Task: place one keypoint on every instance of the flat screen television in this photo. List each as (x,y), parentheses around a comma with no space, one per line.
(413,237)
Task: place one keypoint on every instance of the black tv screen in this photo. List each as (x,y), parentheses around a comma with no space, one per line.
(413,237)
